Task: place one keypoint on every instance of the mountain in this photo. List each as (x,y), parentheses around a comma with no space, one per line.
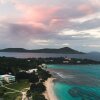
(93,55)
(65,50)
(13,50)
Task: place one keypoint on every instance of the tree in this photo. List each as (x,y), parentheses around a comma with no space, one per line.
(37,96)
(28,93)
(33,78)
(33,87)
(43,74)
(22,75)
(41,88)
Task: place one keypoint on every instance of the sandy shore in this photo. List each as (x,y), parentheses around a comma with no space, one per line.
(49,94)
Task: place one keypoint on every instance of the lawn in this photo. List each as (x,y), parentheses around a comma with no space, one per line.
(20,86)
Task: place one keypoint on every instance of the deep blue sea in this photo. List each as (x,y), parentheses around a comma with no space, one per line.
(76,82)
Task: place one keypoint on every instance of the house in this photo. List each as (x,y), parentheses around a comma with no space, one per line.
(78,62)
(40,66)
(65,62)
(31,71)
(69,59)
(44,66)
(8,78)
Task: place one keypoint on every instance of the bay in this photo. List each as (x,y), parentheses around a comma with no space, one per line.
(76,82)
(46,55)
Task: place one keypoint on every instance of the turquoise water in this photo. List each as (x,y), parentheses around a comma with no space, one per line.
(61,91)
(77,82)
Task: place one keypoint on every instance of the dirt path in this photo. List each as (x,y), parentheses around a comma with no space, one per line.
(11,89)
(24,97)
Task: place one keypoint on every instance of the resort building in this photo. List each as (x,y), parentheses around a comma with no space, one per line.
(44,66)
(31,71)
(69,59)
(1,79)
(78,62)
(7,78)
(65,62)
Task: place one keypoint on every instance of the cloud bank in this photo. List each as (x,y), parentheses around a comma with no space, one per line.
(39,24)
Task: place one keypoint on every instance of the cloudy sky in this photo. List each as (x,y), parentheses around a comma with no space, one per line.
(36,24)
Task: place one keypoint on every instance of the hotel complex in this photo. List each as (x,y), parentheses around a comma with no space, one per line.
(7,78)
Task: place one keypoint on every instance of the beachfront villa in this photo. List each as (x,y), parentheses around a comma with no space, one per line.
(7,78)
(68,59)
(31,71)
(65,62)
(78,62)
(44,66)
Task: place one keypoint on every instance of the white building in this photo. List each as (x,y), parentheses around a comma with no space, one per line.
(65,62)
(44,66)
(78,62)
(68,59)
(8,78)
(31,71)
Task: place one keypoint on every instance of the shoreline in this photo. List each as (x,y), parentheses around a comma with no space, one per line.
(49,93)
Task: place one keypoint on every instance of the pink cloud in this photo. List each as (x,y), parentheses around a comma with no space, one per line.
(36,13)
(49,18)
(84,8)
(95,3)
(58,24)
(37,16)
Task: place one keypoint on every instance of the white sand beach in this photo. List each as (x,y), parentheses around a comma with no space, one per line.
(49,94)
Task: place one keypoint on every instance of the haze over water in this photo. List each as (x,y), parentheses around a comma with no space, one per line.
(76,82)
(46,55)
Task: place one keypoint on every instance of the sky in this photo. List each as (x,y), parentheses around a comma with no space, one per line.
(35,24)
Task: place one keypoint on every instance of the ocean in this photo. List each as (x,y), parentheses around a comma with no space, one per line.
(76,82)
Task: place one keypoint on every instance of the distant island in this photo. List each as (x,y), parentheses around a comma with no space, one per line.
(64,50)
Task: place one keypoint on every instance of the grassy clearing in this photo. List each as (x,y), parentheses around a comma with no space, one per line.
(12,96)
(20,86)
